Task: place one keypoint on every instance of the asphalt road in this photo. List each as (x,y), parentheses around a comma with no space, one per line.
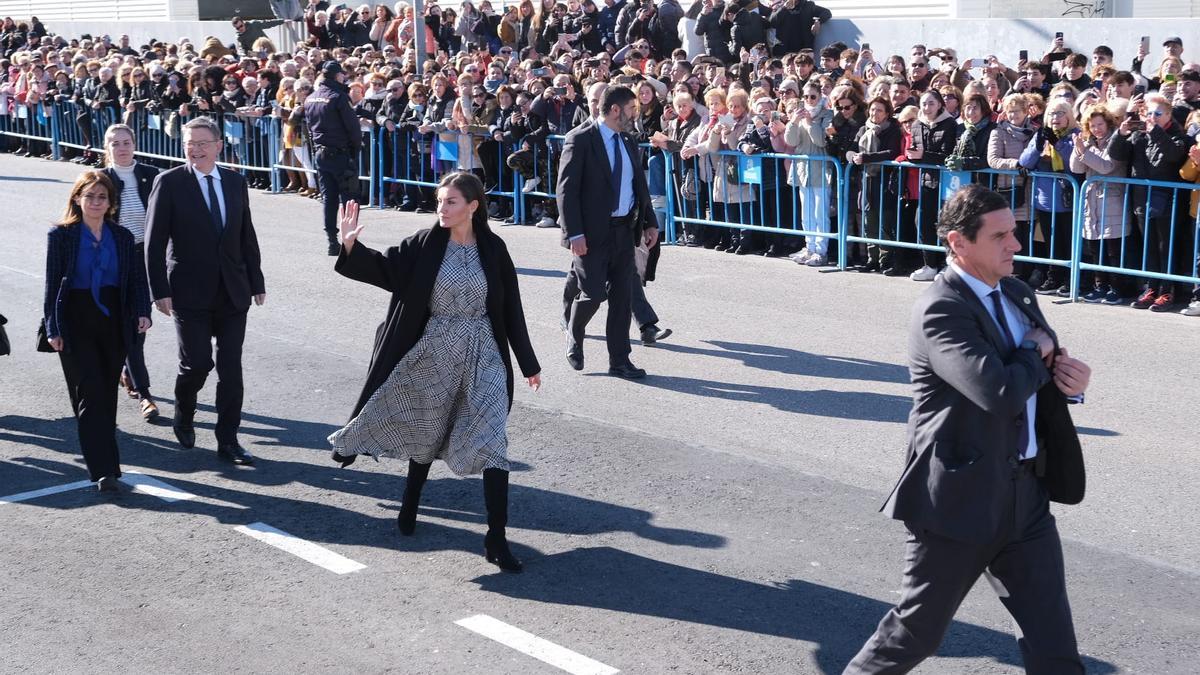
(717,517)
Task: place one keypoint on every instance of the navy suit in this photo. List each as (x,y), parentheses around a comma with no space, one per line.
(94,344)
(211,277)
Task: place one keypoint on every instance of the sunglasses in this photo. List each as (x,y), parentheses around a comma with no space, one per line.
(1156,113)
(844,108)
(811,97)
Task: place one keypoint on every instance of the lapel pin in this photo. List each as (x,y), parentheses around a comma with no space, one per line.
(1026,300)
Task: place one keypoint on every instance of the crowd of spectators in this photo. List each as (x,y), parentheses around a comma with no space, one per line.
(500,82)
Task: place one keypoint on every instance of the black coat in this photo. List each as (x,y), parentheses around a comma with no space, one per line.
(144,173)
(408,272)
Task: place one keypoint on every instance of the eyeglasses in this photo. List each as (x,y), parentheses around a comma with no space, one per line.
(844,108)
(199,145)
(138,76)
(919,64)
(1156,113)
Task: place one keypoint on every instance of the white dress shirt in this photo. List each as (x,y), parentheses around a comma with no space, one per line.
(201,178)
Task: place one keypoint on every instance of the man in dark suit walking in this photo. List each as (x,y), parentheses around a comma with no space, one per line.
(991,443)
(204,266)
(604,207)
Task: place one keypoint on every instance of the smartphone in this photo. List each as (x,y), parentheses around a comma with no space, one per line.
(1058,35)
(721,71)
(1057,56)
(1146,43)
(866,47)
(1139,90)
(1023,55)
(1098,85)
(592,63)
(976,63)
(558,91)
(726,119)
(1168,78)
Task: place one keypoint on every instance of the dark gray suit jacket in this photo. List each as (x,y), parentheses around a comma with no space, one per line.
(970,390)
(585,187)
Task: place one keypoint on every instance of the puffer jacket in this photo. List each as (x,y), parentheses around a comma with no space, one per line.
(1104,203)
(1049,193)
(1156,154)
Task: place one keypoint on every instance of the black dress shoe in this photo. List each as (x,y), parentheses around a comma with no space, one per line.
(232,452)
(627,371)
(652,334)
(334,248)
(575,357)
(108,484)
(895,272)
(869,267)
(184,432)
(344,460)
(773,251)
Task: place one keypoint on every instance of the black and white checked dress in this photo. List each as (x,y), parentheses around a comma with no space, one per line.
(447,398)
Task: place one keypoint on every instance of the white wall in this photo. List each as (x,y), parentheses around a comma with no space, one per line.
(1005,37)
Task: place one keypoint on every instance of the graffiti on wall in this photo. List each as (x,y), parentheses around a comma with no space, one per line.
(1084,9)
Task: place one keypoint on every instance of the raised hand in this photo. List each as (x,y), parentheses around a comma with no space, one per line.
(348,225)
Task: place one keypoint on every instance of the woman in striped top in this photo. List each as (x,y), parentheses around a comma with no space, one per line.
(133,181)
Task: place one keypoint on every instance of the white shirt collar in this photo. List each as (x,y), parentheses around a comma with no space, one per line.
(216,172)
(981,289)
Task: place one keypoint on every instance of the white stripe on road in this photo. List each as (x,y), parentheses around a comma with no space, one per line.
(532,645)
(155,488)
(53,490)
(317,555)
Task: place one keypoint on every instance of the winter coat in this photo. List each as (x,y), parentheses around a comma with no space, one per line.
(1049,193)
(936,141)
(725,190)
(715,31)
(1103,203)
(793,27)
(749,29)
(808,138)
(1005,146)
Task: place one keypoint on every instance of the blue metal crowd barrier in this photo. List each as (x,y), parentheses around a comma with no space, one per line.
(877,217)
(1142,222)
(783,209)
(885,217)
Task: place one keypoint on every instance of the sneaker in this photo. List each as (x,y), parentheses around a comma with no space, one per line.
(1048,287)
(1096,294)
(800,255)
(531,184)
(1063,291)
(1115,298)
(1145,299)
(546,223)
(816,261)
(926,273)
(1164,303)
(1193,309)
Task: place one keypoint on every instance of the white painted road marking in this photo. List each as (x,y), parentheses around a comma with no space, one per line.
(155,488)
(53,490)
(532,645)
(317,555)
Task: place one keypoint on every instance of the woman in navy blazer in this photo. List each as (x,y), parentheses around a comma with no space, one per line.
(133,181)
(96,302)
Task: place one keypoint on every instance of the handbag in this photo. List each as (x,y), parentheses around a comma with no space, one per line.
(43,345)
(5,345)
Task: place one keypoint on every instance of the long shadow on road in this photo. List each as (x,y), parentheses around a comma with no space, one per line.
(836,621)
(795,362)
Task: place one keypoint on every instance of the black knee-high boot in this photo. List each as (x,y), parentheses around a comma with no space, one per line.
(407,520)
(495,497)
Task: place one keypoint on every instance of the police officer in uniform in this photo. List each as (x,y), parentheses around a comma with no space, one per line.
(337,136)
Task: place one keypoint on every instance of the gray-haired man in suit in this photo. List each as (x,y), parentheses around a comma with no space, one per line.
(991,443)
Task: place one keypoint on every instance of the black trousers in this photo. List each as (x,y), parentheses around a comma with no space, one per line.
(196,330)
(643,311)
(1024,564)
(607,272)
(135,360)
(333,168)
(91,364)
(1056,230)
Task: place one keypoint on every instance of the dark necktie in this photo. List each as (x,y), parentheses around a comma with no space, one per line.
(214,206)
(616,171)
(1023,433)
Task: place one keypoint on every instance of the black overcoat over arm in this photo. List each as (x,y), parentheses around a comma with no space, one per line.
(408,272)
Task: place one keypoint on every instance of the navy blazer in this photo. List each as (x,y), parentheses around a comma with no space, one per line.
(199,261)
(62,251)
(585,187)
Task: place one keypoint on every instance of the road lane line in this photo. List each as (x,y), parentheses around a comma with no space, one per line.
(532,645)
(317,555)
(52,490)
(155,487)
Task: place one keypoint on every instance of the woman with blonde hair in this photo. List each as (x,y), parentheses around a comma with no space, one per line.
(1048,152)
(1104,234)
(697,173)
(96,300)
(132,181)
